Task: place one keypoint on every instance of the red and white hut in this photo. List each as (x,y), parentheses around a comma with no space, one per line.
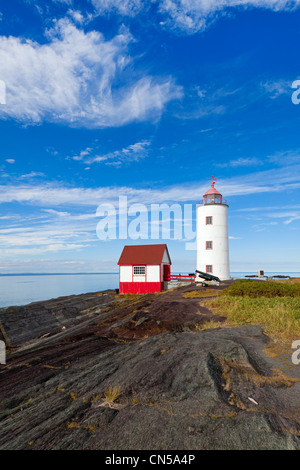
(144,269)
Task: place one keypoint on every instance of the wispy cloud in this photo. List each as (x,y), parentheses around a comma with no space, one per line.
(83,154)
(122,7)
(196,15)
(129,154)
(77,78)
(32,174)
(277,88)
(61,231)
(268,181)
(190,16)
(241,162)
(56,213)
(288,157)
(61,218)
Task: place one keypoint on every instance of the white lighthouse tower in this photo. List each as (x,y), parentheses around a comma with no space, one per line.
(212,234)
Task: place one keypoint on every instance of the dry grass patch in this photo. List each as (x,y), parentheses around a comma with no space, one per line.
(208,325)
(110,397)
(113,393)
(240,372)
(293,280)
(129,296)
(195,294)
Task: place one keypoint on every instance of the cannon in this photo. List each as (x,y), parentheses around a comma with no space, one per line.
(206,279)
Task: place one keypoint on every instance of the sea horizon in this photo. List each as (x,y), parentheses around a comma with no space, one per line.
(18,289)
(117,272)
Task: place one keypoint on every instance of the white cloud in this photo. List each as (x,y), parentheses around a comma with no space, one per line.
(189,16)
(82,154)
(286,158)
(42,265)
(10,160)
(32,174)
(57,213)
(277,88)
(76,15)
(133,152)
(288,215)
(60,218)
(240,162)
(196,15)
(77,78)
(122,7)
(59,232)
(278,179)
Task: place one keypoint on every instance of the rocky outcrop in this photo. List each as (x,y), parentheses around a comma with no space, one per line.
(99,386)
(22,324)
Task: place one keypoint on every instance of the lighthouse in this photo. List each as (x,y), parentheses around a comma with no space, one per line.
(212,234)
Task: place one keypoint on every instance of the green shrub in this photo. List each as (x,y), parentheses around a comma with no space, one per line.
(254,289)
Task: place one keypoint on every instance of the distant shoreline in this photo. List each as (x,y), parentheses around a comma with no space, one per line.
(117,272)
(53,274)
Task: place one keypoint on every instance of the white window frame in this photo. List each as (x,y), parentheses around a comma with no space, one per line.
(139,270)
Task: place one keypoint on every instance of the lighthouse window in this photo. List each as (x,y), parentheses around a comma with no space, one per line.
(138,269)
(209,245)
(209,268)
(209,220)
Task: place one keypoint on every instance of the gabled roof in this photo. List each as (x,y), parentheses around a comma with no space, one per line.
(143,254)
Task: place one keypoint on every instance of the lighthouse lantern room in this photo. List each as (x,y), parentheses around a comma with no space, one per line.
(212,234)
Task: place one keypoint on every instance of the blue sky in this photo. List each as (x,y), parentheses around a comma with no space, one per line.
(148,100)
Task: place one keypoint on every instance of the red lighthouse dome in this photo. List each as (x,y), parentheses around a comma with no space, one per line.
(213,196)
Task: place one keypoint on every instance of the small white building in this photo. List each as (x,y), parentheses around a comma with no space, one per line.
(212,234)
(144,269)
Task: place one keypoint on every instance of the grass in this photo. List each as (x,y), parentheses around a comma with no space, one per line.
(112,394)
(269,289)
(75,425)
(261,303)
(129,296)
(200,294)
(233,370)
(207,325)
(293,280)
(110,397)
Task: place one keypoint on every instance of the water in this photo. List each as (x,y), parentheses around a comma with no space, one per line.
(23,289)
(26,288)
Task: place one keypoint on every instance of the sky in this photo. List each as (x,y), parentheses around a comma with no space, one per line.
(145,102)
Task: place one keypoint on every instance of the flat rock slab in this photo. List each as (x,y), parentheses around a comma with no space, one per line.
(183,390)
(22,324)
(111,372)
